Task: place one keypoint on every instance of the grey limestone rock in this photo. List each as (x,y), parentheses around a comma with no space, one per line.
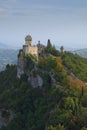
(36,81)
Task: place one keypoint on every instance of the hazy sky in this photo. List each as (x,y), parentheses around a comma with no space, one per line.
(64,22)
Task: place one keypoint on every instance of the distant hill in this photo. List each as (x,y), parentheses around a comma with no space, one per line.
(7,56)
(8,46)
(5,46)
(81,52)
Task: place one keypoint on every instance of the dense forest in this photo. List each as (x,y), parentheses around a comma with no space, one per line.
(59,105)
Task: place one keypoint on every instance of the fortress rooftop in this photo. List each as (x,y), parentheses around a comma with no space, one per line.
(28,38)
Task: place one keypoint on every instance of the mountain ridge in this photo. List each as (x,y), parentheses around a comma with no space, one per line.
(81,52)
(58,102)
(8,46)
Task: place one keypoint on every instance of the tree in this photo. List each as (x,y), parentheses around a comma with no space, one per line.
(49,45)
(83,128)
(60,127)
(49,48)
(62,49)
(69,103)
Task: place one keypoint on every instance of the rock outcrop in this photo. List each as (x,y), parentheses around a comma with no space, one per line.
(5,117)
(36,81)
(20,67)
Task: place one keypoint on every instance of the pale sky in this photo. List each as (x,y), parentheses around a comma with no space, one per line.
(64,22)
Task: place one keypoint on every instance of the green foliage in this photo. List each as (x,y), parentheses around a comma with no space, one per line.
(54,66)
(69,103)
(51,49)
(83,128)
(30,62)
(49,45)
(60,105)
(47,63)
(59,127)
(76,64)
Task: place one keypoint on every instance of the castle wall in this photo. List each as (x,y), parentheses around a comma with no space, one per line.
(28,43)
(33,50)
(25,49)
(30,50)
(40,49)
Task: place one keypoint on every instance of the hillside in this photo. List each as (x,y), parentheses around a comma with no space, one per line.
(58,103)
(76,64)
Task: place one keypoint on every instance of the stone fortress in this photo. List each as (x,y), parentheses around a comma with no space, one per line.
(28,48)
(35,50)
(38,51)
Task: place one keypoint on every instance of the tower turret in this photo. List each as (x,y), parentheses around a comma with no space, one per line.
(28,40)
(62,49)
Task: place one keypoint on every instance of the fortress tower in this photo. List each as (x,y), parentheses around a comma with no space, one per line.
(62,49)
(28,48)
(28,40)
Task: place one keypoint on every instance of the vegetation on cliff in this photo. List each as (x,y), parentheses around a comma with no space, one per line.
(61,103)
